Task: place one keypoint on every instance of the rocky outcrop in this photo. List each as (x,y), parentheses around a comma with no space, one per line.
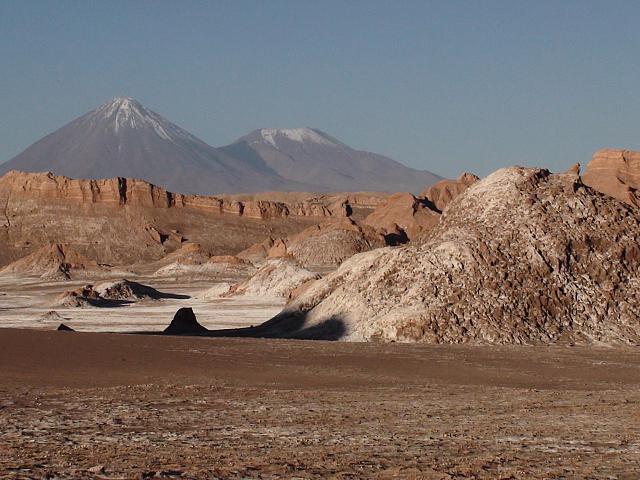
(132,291)
(404,217)
(138,193)
(257,253)
(184,323)
(443,192)
(215,265)
(327,245)
(122,221)
(82,297)
(615,173)
(276,279)
(521,257)
(111,294)
(53,262)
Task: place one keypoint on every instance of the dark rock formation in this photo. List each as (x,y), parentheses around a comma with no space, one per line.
(184,323)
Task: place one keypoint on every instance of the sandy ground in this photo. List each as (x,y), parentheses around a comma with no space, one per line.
(88,405)
(24,302)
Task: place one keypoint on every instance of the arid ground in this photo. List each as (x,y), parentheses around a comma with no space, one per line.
(96,405)
(24,303)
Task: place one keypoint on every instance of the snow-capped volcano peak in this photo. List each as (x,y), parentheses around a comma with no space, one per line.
(126,112)
(300,135)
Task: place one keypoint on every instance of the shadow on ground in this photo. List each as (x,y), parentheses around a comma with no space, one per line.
(292,325)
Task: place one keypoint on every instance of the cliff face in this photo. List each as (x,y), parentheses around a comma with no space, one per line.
(138,193)
(121,221)
(615,173)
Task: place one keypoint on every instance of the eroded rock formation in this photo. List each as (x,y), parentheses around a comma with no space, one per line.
(277,278)
(443,192)
(327,245)
(52,262)
(403,218)
(122,221)
(521,257)
(615,173)
(184,323)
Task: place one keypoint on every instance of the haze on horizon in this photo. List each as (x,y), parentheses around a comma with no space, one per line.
(442,86)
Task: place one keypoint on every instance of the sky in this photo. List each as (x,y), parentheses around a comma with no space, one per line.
(446,86)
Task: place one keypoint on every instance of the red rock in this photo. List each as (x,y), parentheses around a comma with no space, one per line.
(441,194)
(615,173)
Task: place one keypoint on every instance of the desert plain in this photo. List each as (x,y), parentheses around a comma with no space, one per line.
(95,405)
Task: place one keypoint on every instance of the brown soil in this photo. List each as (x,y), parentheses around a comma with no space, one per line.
(79,405)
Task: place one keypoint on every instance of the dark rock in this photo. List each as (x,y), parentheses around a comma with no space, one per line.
(184,323)
(63,328)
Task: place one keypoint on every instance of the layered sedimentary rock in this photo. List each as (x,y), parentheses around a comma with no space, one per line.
(521,257)
(122,221)
(615,173)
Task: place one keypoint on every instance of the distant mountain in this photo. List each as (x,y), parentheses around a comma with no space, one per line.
(310,156)
(123,138)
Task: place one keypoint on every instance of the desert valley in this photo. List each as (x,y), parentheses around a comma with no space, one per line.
(290,307)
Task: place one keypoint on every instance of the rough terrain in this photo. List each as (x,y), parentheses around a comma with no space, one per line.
(76,405)
(522,256)
(120,221)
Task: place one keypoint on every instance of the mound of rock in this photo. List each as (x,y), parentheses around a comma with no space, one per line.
(443,192)
(194,262)
(218,290)
(111,294)
(51,316)
(615,173)
(404,217)
(258,252)
(53,262)
(128,290)
(82,297)
(276,279)
(184,323)
(327,245)
(521,257)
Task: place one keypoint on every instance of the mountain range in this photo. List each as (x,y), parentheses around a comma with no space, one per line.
(122,138)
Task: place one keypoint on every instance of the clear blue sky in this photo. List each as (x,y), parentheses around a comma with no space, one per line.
(446,86)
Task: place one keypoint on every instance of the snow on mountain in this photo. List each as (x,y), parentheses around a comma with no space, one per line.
(122,138)
(125,112)
(311,156)
(300,135)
